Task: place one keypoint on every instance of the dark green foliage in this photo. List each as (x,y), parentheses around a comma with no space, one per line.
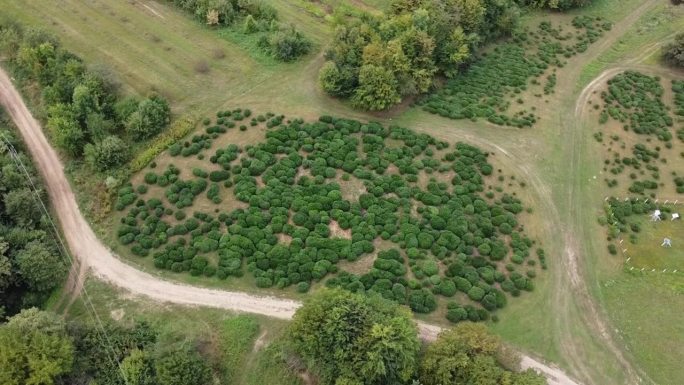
(468,354)
(31,266)
(554,4)
(636,99)
(486,88)
(109,354)
(34,349)
(152,115)
(181,367)
(111,152)
(446,233)
(678,89)
(286,45)
(338,335)
(673,52)
(379,60)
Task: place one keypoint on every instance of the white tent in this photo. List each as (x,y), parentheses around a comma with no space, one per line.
(666,243)
(675,216)
(655,216)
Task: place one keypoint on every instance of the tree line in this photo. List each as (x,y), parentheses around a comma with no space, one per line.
(87,117)
(30,263)
(378,61)
(349,339)
(341,338)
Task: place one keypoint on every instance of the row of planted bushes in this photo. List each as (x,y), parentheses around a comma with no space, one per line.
(487,87)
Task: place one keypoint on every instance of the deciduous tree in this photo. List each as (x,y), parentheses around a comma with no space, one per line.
(353,339)
(34,349)
(41,268)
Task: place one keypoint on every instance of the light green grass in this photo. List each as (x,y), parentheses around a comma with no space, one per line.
(647,312)
(235,339)
(643,308)
(655,26)
(647,252)
(262,371)
(158,51)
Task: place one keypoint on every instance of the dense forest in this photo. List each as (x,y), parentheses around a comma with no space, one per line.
(377,61)
(31,265)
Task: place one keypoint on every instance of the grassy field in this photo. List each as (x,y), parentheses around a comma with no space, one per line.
(151,46)
(649,254)
(658,25)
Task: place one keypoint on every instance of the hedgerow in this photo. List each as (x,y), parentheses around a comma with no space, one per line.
(449,238)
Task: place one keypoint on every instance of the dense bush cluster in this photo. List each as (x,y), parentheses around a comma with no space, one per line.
(636,101)
(554,4)
(251,17)
(85,114)
(673,53)
(450,238)
(487,87)
(678,90)
(376,61)
(31,265)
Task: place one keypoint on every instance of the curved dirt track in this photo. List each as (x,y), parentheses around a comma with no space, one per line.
(91,253)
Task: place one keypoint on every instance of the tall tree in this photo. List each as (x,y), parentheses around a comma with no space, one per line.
(467,354)
(673,52)
(182,367)
(21,205)
(377,89)
(34,349)
(150,117)
(349,338)
(138,368)
(41,268)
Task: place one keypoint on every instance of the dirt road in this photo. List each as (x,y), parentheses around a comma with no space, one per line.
(90,252)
